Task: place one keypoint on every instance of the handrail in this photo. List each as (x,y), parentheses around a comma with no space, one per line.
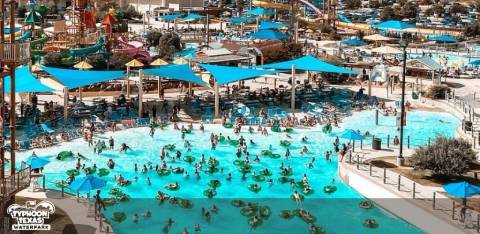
(13,183)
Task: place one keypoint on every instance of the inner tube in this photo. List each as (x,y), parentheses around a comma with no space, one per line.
(103,172)
(61,184)
(255,223)
(210,193)
(214,183)
(366,204)
(122,197)
(275,156)
(213,162)
(265,211)
(299,184)
(189,159)
(212,169)
(154,125)
(228,125)
(284,180)
(91,170)
(370,223)
(126,184)
(330,189)
(317,230)
(73,172)
(186,204)
(327,128)
(233,142)
(119,217)
(254,188)
(286,214)
(308,192)
(266,152)
(286,173)
(109,202)
(299,195)
(170,147)
(221,138)
(276,129)
(163,172)
(289,130)
(258,178)
(237,203)
(266,173)
(310,219)
(187,131)
(115,191)
(172,187)
(285,143)
(64,155)
(178,170)
(248,211)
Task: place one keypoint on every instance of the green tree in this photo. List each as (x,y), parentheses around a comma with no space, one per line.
(458,8)
(472,30)
(445,157)
(98,61)
(118,61)
(352,4)
(153,37)
(169,44)
(387,13)
(58,59)
(409,10)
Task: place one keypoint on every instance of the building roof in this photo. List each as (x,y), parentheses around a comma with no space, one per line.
(221,58)
(424,63)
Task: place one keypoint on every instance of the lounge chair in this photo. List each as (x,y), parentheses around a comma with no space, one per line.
(46,129)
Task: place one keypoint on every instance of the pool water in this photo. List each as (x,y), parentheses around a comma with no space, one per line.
(336,212)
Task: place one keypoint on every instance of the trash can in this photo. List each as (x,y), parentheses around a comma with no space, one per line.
(377,144)
(468,125)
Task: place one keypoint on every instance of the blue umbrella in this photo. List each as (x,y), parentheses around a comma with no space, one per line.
(351,135)
(461,189)
(394,24)
(354,42)
(36,162)
(268,34)
(87,183)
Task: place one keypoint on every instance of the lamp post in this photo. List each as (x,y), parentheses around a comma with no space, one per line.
(403,45)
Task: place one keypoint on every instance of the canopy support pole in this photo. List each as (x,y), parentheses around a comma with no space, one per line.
(12,106)
(128,82)
(189,89)
(159,88)
(140,93)
(217,100)
(370,85)
(65,104)
(292,105)
(80,94)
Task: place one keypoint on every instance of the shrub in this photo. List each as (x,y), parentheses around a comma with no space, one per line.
(283,52)
(118,61)
(98,61)
(169,44)
(153,38)
(58,59)
(445,157)
(437,91)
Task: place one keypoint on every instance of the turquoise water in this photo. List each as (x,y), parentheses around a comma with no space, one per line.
(452,58)
(337,212)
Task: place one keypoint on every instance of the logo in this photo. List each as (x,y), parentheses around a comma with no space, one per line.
(31,216)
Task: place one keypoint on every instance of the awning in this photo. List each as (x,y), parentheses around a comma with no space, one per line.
(72,78)
(226,74)
(271,25)
(25,82)
(309,63)
(181,72)
(268,34)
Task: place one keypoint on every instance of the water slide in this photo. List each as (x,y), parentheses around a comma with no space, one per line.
(83,52)
(281,6)
(25,36)
(133,49)
(36,46)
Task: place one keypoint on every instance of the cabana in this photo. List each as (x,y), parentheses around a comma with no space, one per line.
(225,74)
(307,63)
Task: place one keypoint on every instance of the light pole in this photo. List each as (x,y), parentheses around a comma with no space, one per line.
(404,45)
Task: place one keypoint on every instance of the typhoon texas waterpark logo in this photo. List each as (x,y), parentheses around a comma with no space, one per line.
(31,216)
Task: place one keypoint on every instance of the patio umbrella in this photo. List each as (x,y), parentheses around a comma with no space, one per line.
(87,183)
(352,135)
(461,189)
(394,25)
(355,41)
(134,63)
(386,50)
(181,61)
(36,162)
(158,62)
(376,37)
(83,66)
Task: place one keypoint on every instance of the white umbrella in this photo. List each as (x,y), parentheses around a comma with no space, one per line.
(386,50)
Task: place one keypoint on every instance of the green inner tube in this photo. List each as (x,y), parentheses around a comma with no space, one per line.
(237,203)
(122,197)
(178,170)
(61,184)
(258,178)
(256,224)
(285,143)
(266,152)
(308,192)
(286,214)
(73,172)
(103,172)
(187,131)
(64,155)
(119,217)
(214,183)
(210,193)
(248,211)
(310,219)
(189,159)
(317,230)
(327,128)
(288,130)
(228,125)
(299,185)
(365,204)
(275,156)
(286,173)
(370,223)
(276,129)
(154,125)
(330,189)
(115,191)
(213,162)
(172,187)
(264,211)
(126,184)
(164,172)
(221,138)
(254,188)
(284,179)
(299,195)
(170,147)
(91,170)
(238,162)
(184,203)
(212,169)
(233,142)
(266,173)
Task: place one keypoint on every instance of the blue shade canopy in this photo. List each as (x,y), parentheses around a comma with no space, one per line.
(271,25)
(443,38)
(36,162)
(461,189)
(186,52)
(475,62)
(394,24)
(351,135)
(192,17)
(181,72)
(343,18)
(239,20)
(225,74)
(260,11)
(354,42)
(268,34)
(25,82)
(87,183)
(72,78)
(170,17)
(309,63)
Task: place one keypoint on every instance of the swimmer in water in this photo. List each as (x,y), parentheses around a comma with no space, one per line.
(124,148)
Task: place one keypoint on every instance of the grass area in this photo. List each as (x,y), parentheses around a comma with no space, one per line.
(59,221)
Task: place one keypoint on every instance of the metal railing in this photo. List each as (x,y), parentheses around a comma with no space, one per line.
(14,183)
(15,52)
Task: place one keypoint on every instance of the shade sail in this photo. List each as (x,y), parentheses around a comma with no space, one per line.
(395,25)
(171,17)
(37,162)
(240,20)
(309,63)
(260,11)
(25,82)
(72,78)
(386,50)
(268,34)
(181,72)
(271,25)
(226,74)
(443,38)
(354,42)
(192,17)
(461,189)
